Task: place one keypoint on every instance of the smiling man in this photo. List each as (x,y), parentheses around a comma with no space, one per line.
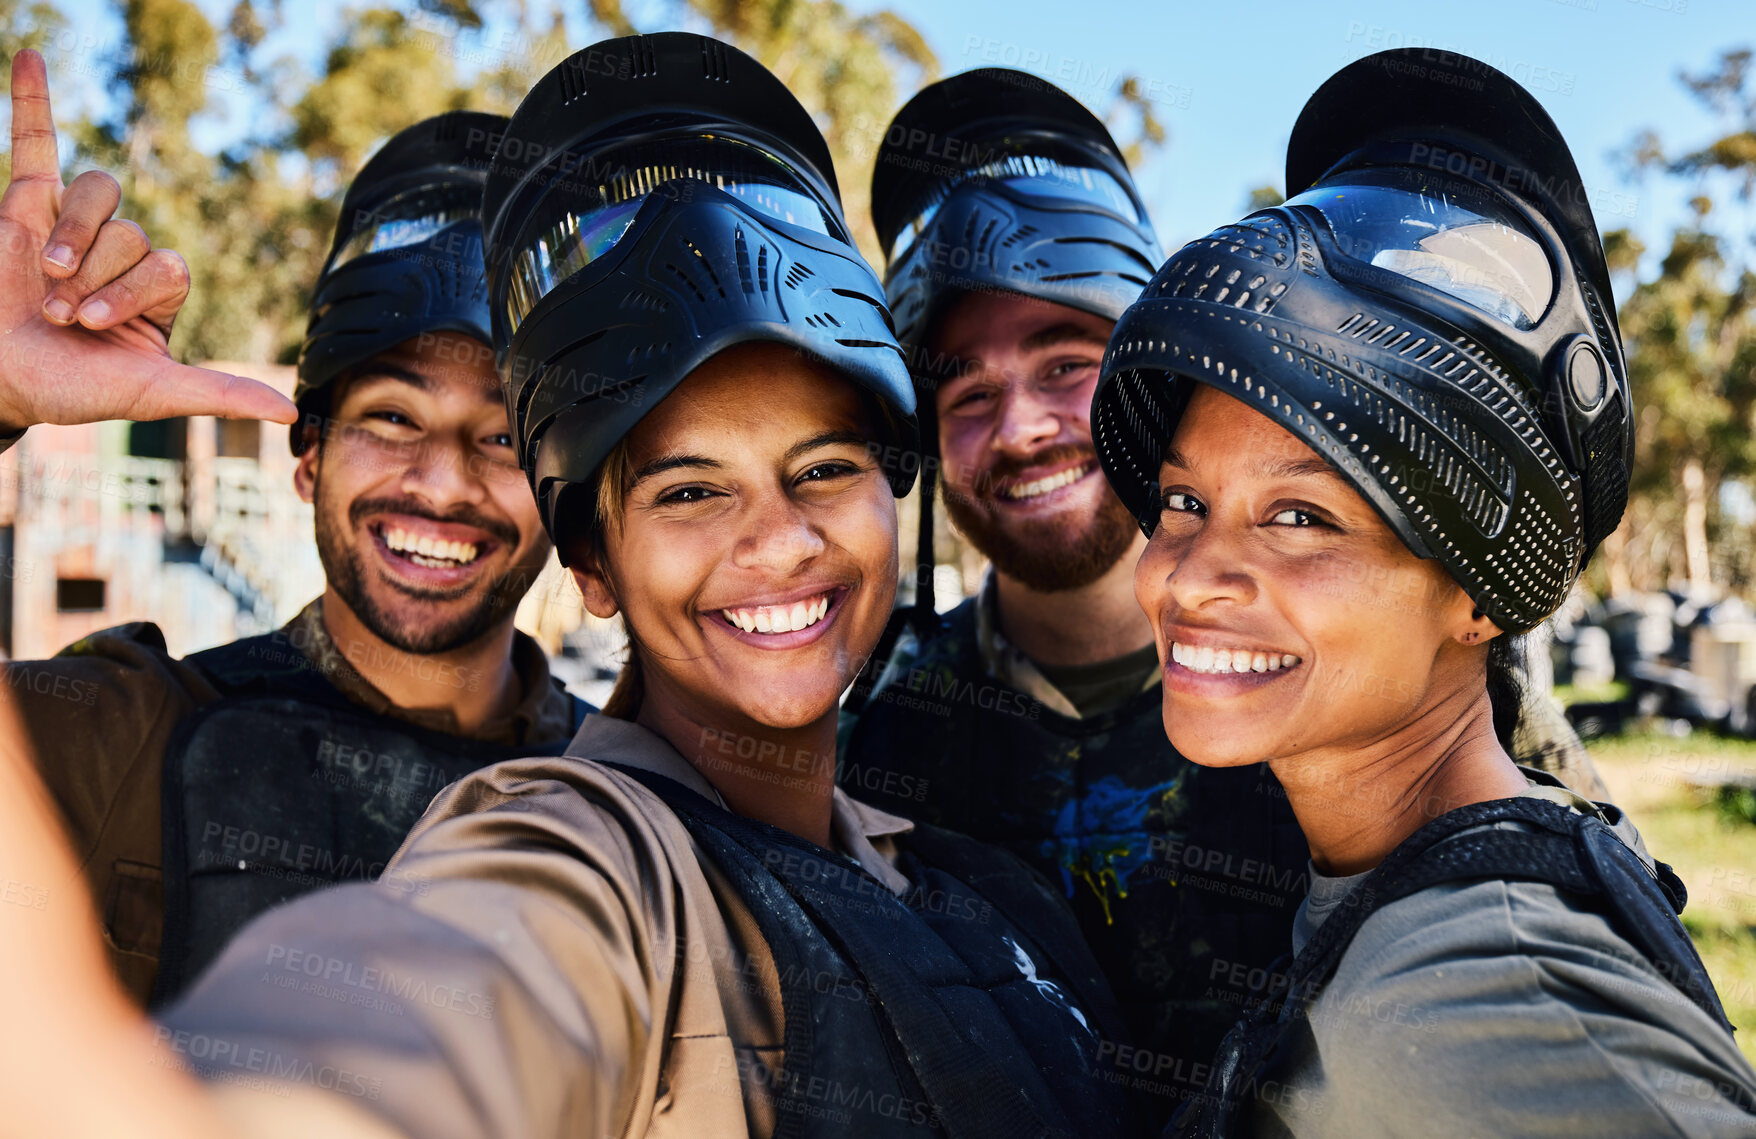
(200,792)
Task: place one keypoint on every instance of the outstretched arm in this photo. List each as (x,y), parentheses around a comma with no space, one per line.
(86,303)
(76,1058)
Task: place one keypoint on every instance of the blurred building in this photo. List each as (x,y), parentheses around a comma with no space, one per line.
(191,523)
(194,524)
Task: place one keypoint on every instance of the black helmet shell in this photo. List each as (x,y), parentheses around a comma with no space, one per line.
(369,302)
(697,269)
(1087,254)
(1471,435)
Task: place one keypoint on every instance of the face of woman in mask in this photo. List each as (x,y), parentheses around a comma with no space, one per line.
(1290,619)
(752,550)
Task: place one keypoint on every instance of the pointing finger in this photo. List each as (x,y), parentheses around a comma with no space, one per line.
(34,156)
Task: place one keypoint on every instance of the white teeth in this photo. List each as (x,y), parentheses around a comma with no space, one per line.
(1053,482)
(1206,659)
(779,618)
(427,551)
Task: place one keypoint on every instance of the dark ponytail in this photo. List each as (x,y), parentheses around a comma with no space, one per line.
(588,518)
(630,687)
(1506,687)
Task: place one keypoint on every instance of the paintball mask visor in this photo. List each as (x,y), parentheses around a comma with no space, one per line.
(606,187)
(409,218)
(1447,234)
(1041,172)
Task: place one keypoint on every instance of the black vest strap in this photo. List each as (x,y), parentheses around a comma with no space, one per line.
(944,1042)
(1574,852)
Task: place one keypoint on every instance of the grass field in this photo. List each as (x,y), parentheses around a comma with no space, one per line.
(1664,785)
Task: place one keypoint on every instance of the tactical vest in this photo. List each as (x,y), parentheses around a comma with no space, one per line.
(1183,878)
(282,786)
(1570,851)
(968,1007)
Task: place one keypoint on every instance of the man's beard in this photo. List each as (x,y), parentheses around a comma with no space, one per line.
(1045,554)
(420,634)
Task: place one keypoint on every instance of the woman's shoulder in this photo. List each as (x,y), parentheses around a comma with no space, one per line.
(1531,991)
(1523,938)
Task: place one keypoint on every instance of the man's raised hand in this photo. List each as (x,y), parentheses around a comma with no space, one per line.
(86,303)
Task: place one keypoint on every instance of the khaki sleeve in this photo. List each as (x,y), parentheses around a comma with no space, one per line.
(503,978)
(92,713)
(97,719)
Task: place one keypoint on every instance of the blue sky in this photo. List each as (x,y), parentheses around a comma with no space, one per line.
(1228,79)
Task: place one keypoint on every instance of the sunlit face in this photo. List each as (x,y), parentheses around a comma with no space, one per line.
(425,525)
(756,559)
(1021,477)
(1288,616)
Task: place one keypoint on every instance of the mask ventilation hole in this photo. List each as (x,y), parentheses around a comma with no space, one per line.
(797,275)
(572,80)
(641,300)
(1017,235)
(713,61)
(1606,475)
(687,280)
(752,282)
(697,270)
(644,61)
(647,352)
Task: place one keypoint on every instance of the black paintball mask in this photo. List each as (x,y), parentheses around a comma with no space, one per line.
(407,257)
(997,181)
(658,199)
(1430,312)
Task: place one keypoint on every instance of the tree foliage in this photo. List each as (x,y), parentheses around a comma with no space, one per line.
(1690,333)
(254,220)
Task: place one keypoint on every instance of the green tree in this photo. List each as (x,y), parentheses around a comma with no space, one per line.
(1691,344)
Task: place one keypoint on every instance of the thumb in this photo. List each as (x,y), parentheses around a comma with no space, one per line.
(181,389)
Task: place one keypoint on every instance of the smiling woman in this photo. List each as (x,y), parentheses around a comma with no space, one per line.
(1371,434)
(751,548)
